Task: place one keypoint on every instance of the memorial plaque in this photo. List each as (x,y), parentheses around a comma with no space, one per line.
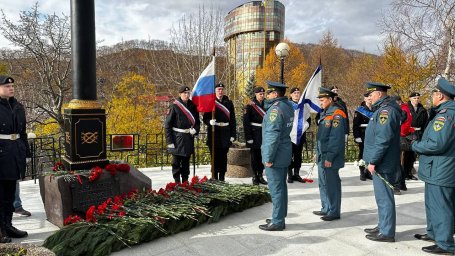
(93,193)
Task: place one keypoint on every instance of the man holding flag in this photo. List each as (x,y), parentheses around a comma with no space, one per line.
(224,125)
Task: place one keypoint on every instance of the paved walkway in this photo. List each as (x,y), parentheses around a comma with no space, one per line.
(305,233)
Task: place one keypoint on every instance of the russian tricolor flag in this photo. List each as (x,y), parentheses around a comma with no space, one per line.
(203,94)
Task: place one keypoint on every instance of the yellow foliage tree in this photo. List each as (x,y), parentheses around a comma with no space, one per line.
(403,71)
(362,69)
(48,128)
(294,68)
(132,107)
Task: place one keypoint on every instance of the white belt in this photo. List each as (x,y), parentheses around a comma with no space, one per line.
(9,136)
(363,125)
(416,128)
(256,124)
(181,130)
(221,124)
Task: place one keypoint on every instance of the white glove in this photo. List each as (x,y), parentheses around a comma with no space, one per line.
(170,146)
(232,139)
(192,131)
(249,141)
(212,122)
(358,140)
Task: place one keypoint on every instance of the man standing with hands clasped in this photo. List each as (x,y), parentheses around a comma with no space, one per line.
(437,170)
(181,124)
(330,150)
(276,152)
(14,149)
(382,154)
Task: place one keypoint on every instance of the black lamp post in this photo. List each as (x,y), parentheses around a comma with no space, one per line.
(282,51)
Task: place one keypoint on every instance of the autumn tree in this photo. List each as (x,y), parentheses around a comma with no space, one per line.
(132,107)
(427,28)
(41,66)
(294,68)
(404,71)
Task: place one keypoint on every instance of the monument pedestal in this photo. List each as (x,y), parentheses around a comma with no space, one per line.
(62,198)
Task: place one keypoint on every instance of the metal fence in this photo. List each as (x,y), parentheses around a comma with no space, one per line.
(149,151)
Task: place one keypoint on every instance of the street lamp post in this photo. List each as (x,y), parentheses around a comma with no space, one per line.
(282,51)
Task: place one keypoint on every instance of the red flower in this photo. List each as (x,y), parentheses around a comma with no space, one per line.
(121,214)
(308,180)
(112,168)
(89,215)
(95,173)
(123,168)
(127,142)
(170,186)
(203,179)
(195,180)
(58,166)
(71,219)
(118,200)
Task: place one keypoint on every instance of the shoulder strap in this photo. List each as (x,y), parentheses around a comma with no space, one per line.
(186,111)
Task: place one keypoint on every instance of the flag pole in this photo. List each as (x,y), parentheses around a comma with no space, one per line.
(213,117)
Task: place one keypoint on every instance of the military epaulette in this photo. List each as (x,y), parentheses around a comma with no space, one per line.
(276,103)
(442,111)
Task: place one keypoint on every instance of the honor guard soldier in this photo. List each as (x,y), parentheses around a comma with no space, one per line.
(362,116)
(252,126)
(330,151)
(437,170)
(276,152)
(419,122)
(14,149)
(181,125)
(225,130)
(296,162)
(382,154)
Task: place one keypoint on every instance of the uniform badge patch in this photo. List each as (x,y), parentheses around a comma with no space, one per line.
(439,123)
(336,122)
(273,115)
(327,124)
(383,116)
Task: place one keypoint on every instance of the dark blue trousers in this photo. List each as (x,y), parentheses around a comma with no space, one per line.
(276,177)
(439,207)
(385,201)
(330,190)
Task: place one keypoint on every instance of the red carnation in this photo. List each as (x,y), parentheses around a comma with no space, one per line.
(203,179)
(71,219)
(170,186)
(112,168)
(89,215)
(195,180)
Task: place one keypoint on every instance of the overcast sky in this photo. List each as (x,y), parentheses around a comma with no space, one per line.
(354,23)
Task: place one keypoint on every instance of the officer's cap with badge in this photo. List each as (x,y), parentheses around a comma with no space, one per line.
(326,93)
(6,80)
(258,89)
(277,86)
(374,86)
(183,89)
(414,94)
(219,85)
(446,87)
(294,89)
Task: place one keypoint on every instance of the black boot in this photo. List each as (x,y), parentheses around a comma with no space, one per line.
(297,177)
(4,238)
(255,180)
(184,178)
(262,181)
(222,176)
(176,177)
(12,231)
(363,175)
(290,176)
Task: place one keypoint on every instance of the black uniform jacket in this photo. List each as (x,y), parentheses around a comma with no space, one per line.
(419,118)
(223,133)
(13,152)
(252,117)
(359,119)
(176,118)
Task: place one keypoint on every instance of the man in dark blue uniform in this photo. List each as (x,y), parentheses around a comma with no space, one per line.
(252,126)
(437,170)
(14,149)
(296,162)
(330,152)
(181,125)
(276,152)
(382,154)
(225,130)
(360,122)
